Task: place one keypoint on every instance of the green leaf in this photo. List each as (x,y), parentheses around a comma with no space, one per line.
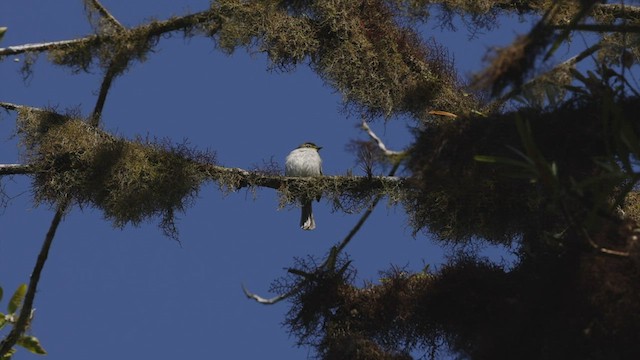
(32,344)
(3,320)
(2,31)
(501,160)
(8,355)
(17,298)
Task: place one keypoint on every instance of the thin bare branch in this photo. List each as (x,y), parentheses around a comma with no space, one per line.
(603,250)
(46,46)
(365,216)
(270,301)
(25,312)
(13,107)
(378,141)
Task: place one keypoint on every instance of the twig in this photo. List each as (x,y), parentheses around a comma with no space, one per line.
(106,14)
(567,63)
(159,28)
(365,216)
(40,47)
(273,300)
(603,249)
(25,312)
(12,107)
(378,141)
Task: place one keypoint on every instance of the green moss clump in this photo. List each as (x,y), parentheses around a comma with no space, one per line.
(130,181)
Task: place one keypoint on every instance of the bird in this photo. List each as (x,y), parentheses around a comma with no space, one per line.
(305,161)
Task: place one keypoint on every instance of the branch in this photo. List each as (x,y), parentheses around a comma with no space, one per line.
(25,312)
(620,11)
(606,251)
(624,28)
(273,300)
(392,173)
(16,169)
(159,28)
(567,63)
(247,178)
(14,107)
(381,145)
(331,260)
(365,216)
(102,96)
(46,46)
(106,14)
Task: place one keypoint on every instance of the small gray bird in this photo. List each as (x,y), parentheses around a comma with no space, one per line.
(305,161)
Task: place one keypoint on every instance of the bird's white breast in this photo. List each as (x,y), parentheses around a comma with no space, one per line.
(303,162)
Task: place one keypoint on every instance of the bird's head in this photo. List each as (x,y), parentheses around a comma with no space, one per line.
(309,145)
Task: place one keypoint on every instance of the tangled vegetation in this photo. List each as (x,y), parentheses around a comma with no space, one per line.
(554,179)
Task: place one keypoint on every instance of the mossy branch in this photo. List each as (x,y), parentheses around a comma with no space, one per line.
(331,261)
(15,169)
(105,13)
(134,180)
(149,30)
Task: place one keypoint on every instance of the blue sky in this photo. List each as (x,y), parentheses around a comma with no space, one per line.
(134,293)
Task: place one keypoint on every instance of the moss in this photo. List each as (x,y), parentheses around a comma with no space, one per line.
(130,181)
(459,198)
(359,47)
(579,304)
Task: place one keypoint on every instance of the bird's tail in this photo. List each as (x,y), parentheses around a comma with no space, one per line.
(306,220)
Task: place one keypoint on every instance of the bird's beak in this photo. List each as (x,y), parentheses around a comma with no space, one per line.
(319,147)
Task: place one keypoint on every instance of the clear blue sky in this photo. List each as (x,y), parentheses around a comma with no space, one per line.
(135,294)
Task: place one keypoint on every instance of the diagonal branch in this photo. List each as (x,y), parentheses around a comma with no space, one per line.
(106,14)
(102,96)
(14,107)
(367,213)
(25,312)
(378,141)
(567,63)
(273,300)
